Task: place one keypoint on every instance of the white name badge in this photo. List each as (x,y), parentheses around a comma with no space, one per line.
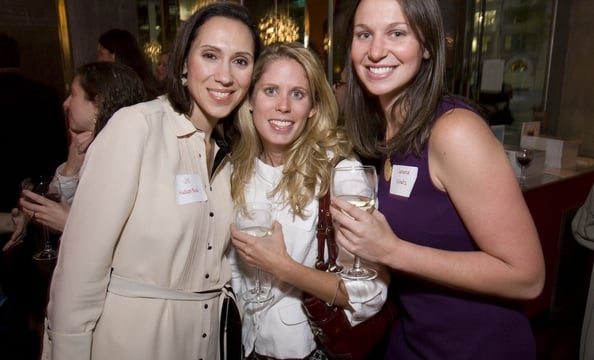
(189,189)
(403,180)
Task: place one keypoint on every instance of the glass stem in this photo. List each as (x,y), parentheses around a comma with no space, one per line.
(357,264)
(47,245)
(258,286)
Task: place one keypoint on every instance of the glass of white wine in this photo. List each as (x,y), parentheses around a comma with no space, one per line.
(358,186)
(256,221)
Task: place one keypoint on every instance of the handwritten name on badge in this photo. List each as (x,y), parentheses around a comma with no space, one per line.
(403,180)
(189,189)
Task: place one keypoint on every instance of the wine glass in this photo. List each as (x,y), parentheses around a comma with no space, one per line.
(523,157)
(358,186)
(49,187)
(256,221)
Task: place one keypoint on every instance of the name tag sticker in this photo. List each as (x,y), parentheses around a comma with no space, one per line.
(403,180)
(189,189)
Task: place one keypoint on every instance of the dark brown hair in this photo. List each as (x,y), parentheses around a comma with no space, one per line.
(178,94)
(110,86)
(364,117)
(126,50)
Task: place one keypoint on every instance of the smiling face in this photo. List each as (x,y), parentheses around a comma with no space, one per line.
(80,111)
(219,67)
(281,104)
(385,52)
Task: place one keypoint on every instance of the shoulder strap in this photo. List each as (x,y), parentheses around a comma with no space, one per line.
(325,236)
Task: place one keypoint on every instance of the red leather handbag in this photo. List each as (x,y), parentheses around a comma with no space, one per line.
(330,325)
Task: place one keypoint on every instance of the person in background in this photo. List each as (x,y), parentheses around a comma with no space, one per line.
(162,65)
(288,143)
(9,223)
(98,90)
(582,227)
(26,104)
(120,45)
(141,269)
(33,141)
(452,223)
(339,90)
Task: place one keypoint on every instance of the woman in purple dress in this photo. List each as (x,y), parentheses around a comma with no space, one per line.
(452,222)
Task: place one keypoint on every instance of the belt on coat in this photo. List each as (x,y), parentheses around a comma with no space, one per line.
(132,288)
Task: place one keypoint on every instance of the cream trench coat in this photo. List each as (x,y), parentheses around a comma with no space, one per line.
(127,219)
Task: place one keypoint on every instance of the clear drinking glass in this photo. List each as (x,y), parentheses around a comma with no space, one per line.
(358,186)
(257,221)
(49,187)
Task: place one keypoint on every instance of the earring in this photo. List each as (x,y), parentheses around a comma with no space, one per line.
(184,79)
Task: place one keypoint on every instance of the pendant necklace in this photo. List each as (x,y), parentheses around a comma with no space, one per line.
(388,167)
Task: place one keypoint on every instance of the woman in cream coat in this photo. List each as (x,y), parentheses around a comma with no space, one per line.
(141,267)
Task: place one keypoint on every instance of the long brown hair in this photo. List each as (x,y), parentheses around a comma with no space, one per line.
(364,118)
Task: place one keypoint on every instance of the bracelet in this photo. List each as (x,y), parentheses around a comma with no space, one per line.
(331,303)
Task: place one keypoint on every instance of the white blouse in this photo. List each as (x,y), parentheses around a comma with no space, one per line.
(279,328)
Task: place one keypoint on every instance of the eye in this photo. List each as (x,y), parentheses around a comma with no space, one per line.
(397,33)
(270,90)
(297,94)
(209,56)
(241,62)
(363,35)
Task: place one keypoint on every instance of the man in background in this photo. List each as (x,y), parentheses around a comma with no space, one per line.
(33,141)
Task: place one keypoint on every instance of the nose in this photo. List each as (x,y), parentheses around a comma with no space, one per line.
(377,49)
(223,74)
(283,104)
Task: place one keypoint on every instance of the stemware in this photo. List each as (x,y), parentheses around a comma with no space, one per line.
(358,186)
(523,157)
(49,187)
(256,221)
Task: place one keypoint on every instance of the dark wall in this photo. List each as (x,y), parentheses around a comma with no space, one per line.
(88,19)
(34,24)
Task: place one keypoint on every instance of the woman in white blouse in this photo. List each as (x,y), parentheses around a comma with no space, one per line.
(288,145)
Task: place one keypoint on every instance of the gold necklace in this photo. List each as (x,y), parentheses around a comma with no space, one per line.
(388,167)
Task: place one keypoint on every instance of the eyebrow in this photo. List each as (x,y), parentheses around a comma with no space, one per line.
(397,23)
(217,49)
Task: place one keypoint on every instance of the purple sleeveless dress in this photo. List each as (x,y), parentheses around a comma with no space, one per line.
(437,322)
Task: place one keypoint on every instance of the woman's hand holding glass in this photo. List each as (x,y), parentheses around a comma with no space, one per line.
(356,185)
(47,212)
(38,194)
(256,221)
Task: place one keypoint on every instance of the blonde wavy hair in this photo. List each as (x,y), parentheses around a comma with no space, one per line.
(310,158)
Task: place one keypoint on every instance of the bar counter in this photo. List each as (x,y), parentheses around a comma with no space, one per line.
(553,197)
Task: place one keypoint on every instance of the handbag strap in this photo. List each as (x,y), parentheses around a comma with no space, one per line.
(325,235)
